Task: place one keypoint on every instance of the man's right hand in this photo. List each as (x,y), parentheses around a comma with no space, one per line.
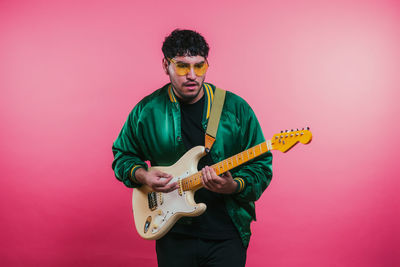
(156,180)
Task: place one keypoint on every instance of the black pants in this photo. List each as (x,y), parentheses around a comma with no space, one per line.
(186,251)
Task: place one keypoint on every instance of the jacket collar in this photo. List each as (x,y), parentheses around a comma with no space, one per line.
(208,94)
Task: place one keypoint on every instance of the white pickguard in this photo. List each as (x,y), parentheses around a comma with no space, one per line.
(172,203)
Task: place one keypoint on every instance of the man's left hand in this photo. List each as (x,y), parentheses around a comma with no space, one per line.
(223,184)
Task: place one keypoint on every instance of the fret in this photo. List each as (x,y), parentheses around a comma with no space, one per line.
(218,167)
(244,157)
(234,163)
(265,147)
(236,160)
(195,180)
(230,162)
(223,166)
(187,183)
(240,158)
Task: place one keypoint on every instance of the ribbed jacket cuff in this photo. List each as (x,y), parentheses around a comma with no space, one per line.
(133,177)
(241,184)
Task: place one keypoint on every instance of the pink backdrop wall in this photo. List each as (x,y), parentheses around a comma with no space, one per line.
(70,72)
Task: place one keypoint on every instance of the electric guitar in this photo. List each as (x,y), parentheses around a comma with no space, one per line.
(155,213)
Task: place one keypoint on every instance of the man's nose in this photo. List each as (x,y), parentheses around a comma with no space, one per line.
(191,75)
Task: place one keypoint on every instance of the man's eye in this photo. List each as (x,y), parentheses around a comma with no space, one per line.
(199,66)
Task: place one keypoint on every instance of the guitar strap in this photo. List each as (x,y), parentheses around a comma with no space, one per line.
(215,115)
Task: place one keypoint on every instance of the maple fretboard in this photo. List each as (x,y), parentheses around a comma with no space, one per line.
(194,181)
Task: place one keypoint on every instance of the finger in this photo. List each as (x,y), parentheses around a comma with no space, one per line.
(207,175)
(172,186)
(214,178)
(207,186)
(162,189)
(212,171)
(166,189)
(204,178)
(207,180)
(167,183)
(160,183)
(162,174)
(226,175)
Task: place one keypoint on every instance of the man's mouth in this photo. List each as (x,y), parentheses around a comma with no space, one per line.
(190,85)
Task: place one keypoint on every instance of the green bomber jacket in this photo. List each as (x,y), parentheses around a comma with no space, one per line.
(152,132)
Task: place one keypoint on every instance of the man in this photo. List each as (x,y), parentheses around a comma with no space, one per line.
(170,121)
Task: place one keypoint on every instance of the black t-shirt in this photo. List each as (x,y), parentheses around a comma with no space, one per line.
(215,222)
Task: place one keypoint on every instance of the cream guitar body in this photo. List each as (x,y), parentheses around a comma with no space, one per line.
(155,213)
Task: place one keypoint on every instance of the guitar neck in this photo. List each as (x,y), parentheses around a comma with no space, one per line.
(193,182)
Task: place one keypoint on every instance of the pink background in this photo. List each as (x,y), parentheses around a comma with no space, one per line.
(70,72)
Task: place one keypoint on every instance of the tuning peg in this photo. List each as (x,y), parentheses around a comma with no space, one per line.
(308,128)
(281,131)
(292,130)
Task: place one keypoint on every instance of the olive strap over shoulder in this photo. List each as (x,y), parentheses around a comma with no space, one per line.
(215,115)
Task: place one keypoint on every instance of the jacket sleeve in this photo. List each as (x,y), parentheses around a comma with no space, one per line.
(256,174)
(127,153)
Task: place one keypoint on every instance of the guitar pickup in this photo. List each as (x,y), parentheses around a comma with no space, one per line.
(152,200)
(160,199)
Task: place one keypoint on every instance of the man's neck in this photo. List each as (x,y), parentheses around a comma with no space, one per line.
(189,101)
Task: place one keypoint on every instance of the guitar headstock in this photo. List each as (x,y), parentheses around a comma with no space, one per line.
(285,140)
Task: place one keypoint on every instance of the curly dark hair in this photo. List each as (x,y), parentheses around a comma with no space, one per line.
(185,43)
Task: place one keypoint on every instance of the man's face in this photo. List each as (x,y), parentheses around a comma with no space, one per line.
(188,87)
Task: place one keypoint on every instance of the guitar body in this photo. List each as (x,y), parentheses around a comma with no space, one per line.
(155,213)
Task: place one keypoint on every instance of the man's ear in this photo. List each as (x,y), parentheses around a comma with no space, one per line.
(165,66)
